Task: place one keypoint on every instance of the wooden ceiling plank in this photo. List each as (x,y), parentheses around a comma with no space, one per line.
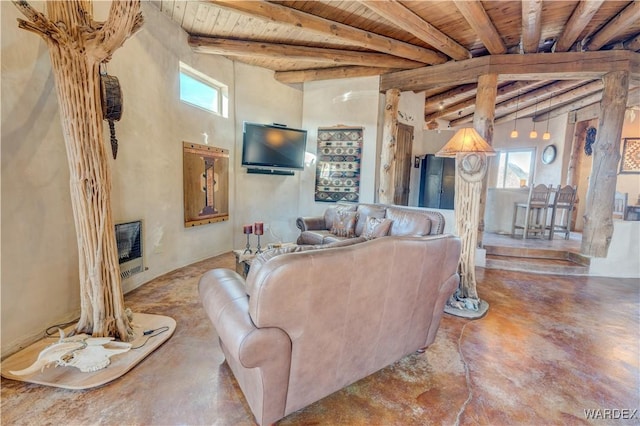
(404,18)
(189,16)
(505,97)
(465,89)
(578,21)
(568,96)
(220,46)
(290,77)
(478,19)
(532,101)
(533,66)
(581,113)
(633,43)
(531,25)
(615,26)
(355,36)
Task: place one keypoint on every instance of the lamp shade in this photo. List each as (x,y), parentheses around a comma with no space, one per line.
(465,140)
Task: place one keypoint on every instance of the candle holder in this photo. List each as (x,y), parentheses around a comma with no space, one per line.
(248,230)
(259,227)
(258,249)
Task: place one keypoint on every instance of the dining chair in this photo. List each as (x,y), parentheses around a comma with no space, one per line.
(534,219)
(561,211)
(619,204)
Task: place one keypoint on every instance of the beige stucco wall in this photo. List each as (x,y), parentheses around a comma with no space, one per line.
(39,276)
(350,102)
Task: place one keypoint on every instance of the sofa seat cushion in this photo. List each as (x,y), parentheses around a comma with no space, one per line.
(314,237)
(408,223)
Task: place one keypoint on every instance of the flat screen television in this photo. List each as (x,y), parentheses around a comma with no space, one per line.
(268,146)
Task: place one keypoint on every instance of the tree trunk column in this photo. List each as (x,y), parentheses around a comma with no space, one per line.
(598,221)
(102,303)
(483,118)
(388,154)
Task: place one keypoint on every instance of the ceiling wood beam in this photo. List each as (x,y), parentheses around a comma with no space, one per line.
(404,18)
(478,19)
(531,25)
(540,104)
(465,89)
(306,21)
(533,66)
(578,21)
(591,111)
(220,46)
(302,76)
(502,93)
(527,102)
(615,26)
(633,43)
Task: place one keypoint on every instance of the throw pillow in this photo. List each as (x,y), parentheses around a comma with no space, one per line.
(376,227)
(344,224)
(331,212)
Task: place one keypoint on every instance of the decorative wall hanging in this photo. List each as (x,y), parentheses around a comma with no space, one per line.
(338,164)
(630,162)
(111,96)
(590,140)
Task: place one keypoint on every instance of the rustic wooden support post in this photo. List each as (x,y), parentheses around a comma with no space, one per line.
(386,192)
(77,45)
(483,123)
(598,221)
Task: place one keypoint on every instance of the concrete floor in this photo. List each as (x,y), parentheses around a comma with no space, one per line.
(550,348)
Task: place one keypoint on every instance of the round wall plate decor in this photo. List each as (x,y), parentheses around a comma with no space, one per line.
(549,154)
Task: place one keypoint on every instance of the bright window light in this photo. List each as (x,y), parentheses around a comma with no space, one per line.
(515,168)
(201,91)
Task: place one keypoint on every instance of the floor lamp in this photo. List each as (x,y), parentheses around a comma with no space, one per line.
(470,151)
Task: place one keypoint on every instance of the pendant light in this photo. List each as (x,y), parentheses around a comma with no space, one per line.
(534,134)
(514,132)
(546,135)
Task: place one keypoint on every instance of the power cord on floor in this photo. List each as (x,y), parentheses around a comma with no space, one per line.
(151,333)
(466,376)
(49,333)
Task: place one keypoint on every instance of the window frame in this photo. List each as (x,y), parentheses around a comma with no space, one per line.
(221,89)
(500,180)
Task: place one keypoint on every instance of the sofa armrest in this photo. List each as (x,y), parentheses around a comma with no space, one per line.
(311,223)
(260,358)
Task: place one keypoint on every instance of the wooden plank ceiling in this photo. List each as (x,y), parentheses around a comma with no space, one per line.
(316,40)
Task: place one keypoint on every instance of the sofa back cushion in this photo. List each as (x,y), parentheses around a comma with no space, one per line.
(408,222)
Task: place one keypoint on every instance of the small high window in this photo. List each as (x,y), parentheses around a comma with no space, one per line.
(515,168)
(202,91)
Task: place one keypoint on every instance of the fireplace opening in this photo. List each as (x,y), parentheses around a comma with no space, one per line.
(129,242)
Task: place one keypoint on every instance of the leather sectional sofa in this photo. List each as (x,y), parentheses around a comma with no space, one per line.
(400,221)
(308,321)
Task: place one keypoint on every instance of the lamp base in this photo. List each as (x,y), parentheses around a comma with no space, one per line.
(462,311)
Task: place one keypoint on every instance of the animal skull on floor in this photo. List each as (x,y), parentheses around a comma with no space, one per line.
(81,351)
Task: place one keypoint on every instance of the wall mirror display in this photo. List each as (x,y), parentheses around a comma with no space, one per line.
(206,184)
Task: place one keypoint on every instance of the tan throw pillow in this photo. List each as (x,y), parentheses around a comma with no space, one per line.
(376,227)
(331,212)
(344,224)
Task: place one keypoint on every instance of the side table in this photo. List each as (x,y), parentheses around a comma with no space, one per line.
(243,262)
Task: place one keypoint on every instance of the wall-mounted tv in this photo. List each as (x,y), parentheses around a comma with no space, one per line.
(273,149)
